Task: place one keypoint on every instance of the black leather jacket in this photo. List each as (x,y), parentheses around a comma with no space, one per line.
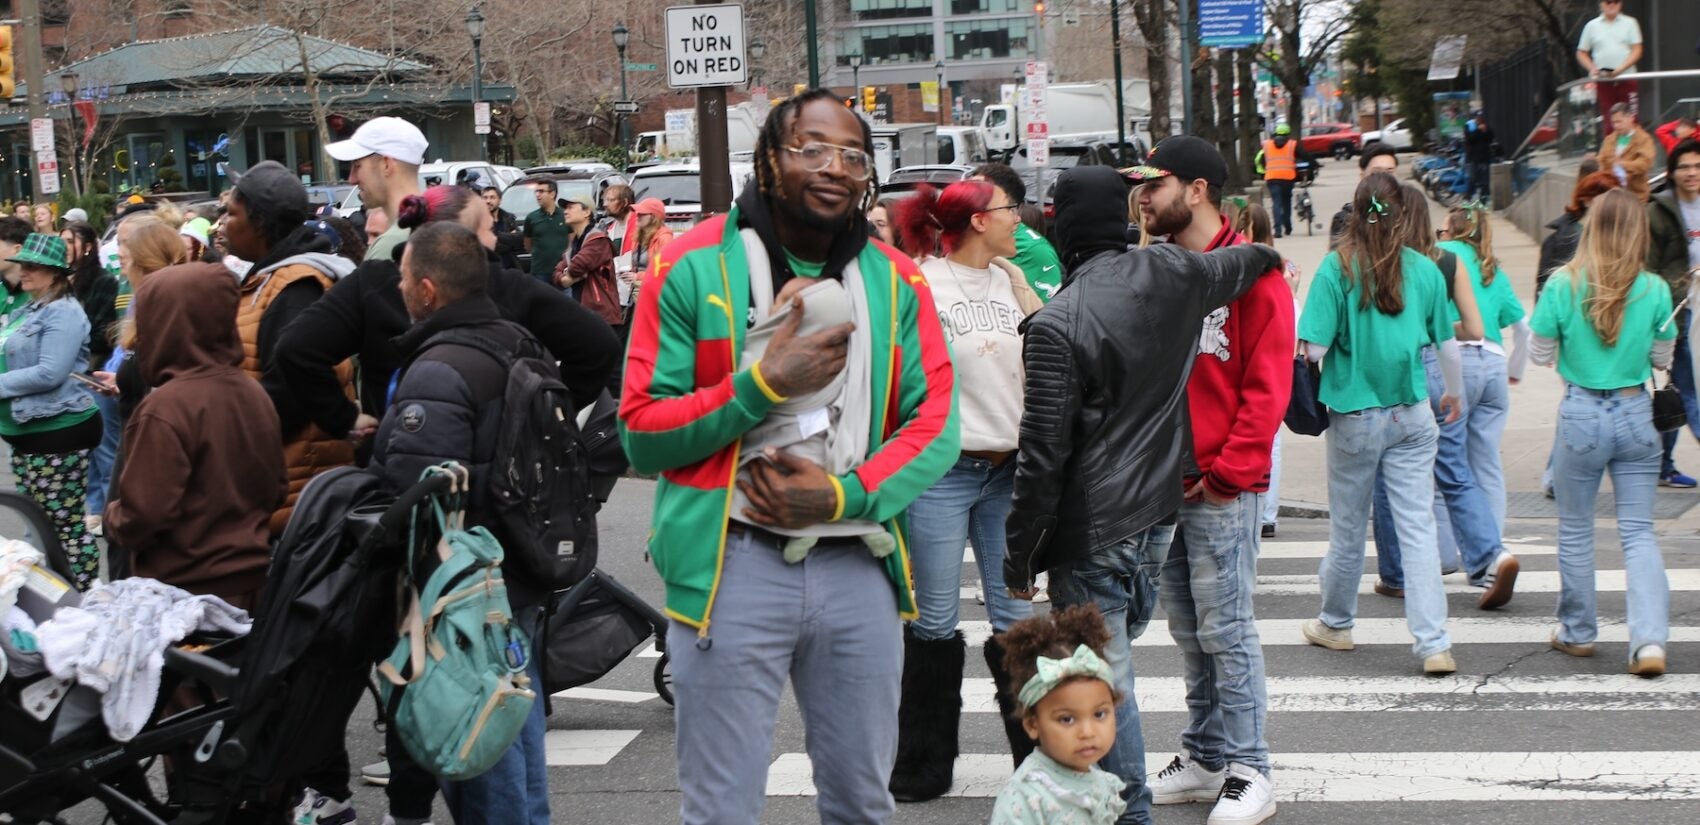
(1105,429)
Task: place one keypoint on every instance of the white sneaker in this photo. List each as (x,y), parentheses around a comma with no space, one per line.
(1042,582)
(1248,798)
(318,809)
(1185,781)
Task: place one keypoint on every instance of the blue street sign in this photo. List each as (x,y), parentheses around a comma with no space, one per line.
(1230,24)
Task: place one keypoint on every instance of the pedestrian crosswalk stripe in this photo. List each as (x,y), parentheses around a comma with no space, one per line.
(591,694)
(1517,776)
(585,747)
(1495,630)
(1355,694)
(1531,581)
(1318,549)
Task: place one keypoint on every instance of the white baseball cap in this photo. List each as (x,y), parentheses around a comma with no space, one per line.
(391,137)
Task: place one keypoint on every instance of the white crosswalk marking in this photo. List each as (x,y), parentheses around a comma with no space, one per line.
(1388,777)
(1357,694)
(591,694)
(1469,630)
(1318,549)
(1536,581)
(585,747)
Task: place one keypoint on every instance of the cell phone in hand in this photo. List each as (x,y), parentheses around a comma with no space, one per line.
(90,381)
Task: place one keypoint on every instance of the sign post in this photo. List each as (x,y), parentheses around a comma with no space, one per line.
(481,117)
(1038,127)
(705,51)
(1230,24)
(47,173)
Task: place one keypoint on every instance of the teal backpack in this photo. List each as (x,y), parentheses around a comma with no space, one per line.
(456,686)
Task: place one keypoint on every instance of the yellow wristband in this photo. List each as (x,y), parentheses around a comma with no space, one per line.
(838,490)
(761,384)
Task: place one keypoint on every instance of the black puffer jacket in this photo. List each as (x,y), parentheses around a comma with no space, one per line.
(1107,364)
(1558,248)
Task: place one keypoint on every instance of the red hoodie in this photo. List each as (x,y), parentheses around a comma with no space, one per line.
(1241,382)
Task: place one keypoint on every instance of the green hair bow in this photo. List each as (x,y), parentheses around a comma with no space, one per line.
(1053,672)
(1376,209)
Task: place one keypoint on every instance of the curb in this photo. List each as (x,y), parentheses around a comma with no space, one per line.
(1303,509)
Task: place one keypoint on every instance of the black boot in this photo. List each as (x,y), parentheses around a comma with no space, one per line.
(1020,745)
(928,718)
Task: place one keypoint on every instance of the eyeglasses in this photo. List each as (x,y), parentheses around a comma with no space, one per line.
(1011,207)
(817,157)
(1688,167)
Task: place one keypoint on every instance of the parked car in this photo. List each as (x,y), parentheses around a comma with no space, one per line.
(506,175)
(1338,139)
(961,144)
(903,182)
(1395,134)
(520,198)
(433,174)
(679,187)
(1065,154)
(574,165)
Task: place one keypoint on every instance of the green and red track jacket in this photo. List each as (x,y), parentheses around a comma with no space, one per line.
(687,403)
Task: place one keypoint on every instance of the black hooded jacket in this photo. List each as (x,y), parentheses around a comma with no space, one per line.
(1107,363)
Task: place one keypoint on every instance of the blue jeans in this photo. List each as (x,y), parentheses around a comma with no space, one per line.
(516,790)
(1682,373)
(1207,587)
(1479,180)
(1398,442)
(1122,580)
(1600,433)
(100,460)
(829,626)
(971,501)
(1467,473)
(1281,194)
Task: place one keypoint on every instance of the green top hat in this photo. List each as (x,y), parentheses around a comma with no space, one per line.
(43,250)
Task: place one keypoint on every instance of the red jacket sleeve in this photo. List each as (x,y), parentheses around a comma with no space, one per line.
(1667,135)
(596,253)
(1266,339)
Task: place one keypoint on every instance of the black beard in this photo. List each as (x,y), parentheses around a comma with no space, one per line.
(1172,219)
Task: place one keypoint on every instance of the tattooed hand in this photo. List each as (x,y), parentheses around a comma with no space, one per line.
(787,491)
(797,365)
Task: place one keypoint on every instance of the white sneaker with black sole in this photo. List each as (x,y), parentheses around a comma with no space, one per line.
(317,809)
(1185,780)
(1247,798)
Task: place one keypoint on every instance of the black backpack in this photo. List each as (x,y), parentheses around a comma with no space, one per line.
(540,494)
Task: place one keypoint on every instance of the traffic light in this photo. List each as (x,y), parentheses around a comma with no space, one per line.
(8,83)
(1039,7)
(868,96)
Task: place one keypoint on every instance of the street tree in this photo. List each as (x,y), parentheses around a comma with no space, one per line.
(1304,34)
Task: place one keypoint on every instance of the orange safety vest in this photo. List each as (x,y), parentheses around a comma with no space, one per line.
(1281,163)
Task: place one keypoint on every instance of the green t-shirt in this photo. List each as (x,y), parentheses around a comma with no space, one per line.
(1582,359)
(10,305)
(806,269)
(384,245)
(1038,261)
(1497,301)
(550,237)
(8,425)
(1374,359)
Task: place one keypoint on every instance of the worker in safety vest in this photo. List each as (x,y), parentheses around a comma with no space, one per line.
(1278,163)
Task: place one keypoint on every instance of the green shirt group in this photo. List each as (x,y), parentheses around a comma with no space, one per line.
(1585,360)
(1497,301)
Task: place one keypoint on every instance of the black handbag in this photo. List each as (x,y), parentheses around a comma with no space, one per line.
(1668,413)
(1306,414)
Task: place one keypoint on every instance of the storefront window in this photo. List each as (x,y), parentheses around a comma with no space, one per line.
(888,44)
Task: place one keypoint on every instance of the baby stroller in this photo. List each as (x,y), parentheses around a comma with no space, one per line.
(275,702)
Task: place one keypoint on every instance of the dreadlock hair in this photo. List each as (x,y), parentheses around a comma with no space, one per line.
(1369,251)
(1470,224)
(1418,230)
(1054,635)
(777,129)
(934,221)
(1608,260)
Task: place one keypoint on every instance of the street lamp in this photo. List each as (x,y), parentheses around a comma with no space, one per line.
(475,28)
(757,49)
(68,84)
(622,36)
(939,67)
(856,75)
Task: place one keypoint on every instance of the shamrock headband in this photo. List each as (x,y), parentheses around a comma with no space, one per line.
(1376,209)
(1053,672)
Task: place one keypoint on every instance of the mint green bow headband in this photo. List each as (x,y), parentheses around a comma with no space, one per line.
(1376,208)
(1053,672)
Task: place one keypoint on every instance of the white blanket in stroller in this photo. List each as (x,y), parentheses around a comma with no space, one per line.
(115,643)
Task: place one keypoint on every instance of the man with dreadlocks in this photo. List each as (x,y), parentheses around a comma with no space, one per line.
(774,332)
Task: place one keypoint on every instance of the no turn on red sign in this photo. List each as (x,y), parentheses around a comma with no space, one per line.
(705,46)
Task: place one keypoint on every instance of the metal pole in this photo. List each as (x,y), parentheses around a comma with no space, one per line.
(34,69)
(625,122)
(810,37)
(716,161)
(1121,107)
(856,81)
(76,153)
(1039,57)
(1187,50)
(941,93)
(478,92)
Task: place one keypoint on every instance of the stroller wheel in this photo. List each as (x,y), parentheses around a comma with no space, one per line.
(664,678)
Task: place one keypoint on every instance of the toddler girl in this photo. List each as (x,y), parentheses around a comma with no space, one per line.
(1068,704)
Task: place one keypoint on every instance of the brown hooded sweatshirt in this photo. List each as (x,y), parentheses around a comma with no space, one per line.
(201,473)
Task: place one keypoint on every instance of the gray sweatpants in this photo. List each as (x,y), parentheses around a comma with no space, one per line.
(830,625)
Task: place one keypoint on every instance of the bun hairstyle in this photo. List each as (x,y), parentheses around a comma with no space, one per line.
(439,203)
(1054,635)
(933,221)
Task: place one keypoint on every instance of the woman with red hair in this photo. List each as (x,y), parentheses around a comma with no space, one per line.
(1560,246)
(981,299)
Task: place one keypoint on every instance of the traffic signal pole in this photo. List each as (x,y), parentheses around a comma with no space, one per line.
(712,151)
(29,12)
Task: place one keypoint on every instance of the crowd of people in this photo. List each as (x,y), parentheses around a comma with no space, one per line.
(840,396)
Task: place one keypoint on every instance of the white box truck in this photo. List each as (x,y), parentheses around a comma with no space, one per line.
(679,138)
(1071,110)
(897,145)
